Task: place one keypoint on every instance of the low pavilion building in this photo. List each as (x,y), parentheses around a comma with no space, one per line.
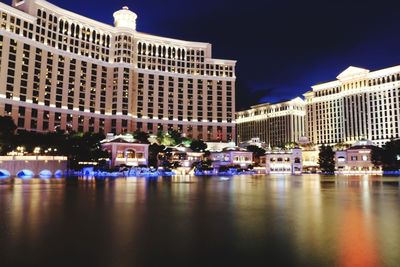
(231,156)
(125,150)
(181,154)
(357,159)
(283,162)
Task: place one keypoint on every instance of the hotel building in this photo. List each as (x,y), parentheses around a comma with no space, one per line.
(358,105)
(275,124)
(62,70)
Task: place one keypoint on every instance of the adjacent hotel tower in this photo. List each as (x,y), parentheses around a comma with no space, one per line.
(275,124)
(358,105)
(60,69)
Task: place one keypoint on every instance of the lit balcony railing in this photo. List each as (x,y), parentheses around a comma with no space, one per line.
(32,158)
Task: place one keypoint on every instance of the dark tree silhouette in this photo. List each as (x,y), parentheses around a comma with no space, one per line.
(7,131)
(257,152)
(7,126)
(388,157)
(377,156)
(83,147)
(154,149)
(176,136)
(198,146)
(141,137)
(326,159)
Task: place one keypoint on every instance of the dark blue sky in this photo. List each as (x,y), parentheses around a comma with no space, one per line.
(282,47)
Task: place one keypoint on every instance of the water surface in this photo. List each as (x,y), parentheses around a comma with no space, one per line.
(190,221)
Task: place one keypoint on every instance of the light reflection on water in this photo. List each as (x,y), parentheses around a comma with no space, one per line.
(185,220)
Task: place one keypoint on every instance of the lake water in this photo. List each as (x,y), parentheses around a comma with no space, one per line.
(192,221)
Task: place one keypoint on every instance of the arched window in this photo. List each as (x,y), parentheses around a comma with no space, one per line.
(83,33)
(66,25)
(108,40)
(4,174)
(130,154)
(88,34)
(77,31)
(61,26)
(72,29)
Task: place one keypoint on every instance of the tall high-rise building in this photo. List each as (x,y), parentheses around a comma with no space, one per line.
(275,124)
(59,69)
(358,105)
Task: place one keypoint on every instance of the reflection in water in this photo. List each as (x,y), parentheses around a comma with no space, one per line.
(208,221)
(24,204)
(357,240)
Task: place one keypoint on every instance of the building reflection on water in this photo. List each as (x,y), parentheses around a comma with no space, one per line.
(334,222)
(296,221)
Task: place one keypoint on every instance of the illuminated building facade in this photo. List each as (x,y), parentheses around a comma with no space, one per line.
(62,70)
(281,162)
(125,151)
(231,156)
(359,105)
(356,159)
(275,124)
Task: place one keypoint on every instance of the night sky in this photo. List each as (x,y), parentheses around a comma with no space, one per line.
(282,47)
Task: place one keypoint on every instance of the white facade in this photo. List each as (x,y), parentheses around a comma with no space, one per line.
(275,124)
(231,156)
(283,162)
(219,146)
(341,160)
(356,159)
(62,70)
(310,158)
(358,105)
(255,141)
